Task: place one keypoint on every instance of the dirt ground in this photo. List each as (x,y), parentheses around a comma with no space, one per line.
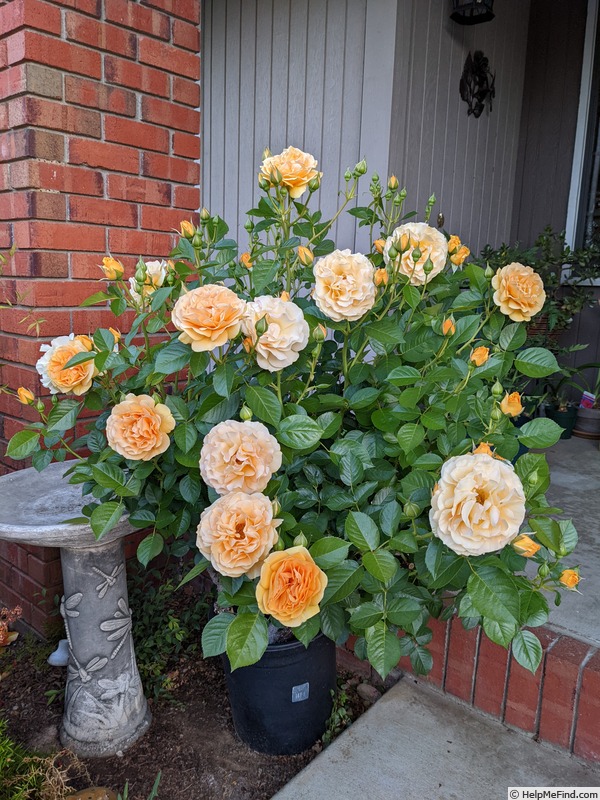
(191,739)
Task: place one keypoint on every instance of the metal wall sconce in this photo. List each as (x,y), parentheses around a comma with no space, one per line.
(477,87)
(472,12)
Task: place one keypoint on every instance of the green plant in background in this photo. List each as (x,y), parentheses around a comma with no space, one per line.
(566,274)
(166,626)
(153,794)
(339,719)
(325,427)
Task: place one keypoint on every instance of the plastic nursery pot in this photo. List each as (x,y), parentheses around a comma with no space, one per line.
(588,423)
(566,419)
(281,704)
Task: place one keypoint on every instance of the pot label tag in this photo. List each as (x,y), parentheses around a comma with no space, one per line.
(300,692)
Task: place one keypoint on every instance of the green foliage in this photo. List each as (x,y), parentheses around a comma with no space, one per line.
(153,793)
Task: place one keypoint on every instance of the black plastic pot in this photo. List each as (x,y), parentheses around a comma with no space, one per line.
(281,704)
(566,419)
(588,423)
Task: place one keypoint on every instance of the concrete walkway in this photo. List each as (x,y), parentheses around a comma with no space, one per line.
(415,744)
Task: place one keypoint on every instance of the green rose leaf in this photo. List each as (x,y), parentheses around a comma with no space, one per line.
(501,633)
(150,547)
(342,580)
(185,436)
(527,650)
(264,404)
(63,416)
(41,459)
(536,362)
(390,517)
(110,476)
(534,609)
(403,611)
(513,336)
(494,595)
(541,432)
(410,436)
(381,565)
(333,623)
(403,376)
(299,432)
(223,378)
(307,631)
(175,356)
(105,516)
(362,531)
(22,444)
(366,615)
(247,640)
(214,635)
(329,551)
(383,648)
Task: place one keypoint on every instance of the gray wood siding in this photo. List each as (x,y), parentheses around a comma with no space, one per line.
(344,79)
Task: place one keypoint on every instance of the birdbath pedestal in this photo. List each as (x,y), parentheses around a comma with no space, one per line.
(105,709)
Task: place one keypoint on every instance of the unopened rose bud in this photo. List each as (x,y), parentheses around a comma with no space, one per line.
(196,240)
(392,252)
(533,478)
(416,253)
(112,268)
(245,260)
(116,334)
(85,341)
(379,244)
(525,546)
(397,201)
(361,167)
(263,183)
(480,355)
(495,414)
(140,275)
(279,544)
(381,277)
(249,225)
(305,256)
(245,414)
(427,266)
(448,327)
(247,344)
(347,175)
(261,326)
(266,154)
(187,229)
(314,183)
(393,183)
(497,389)
(25,396)
(285,296)
(404,242)
(319,333)
(569,578)
(511,405)
(300,540)
(276,506)
(489,272)
(411,510)
(544,570)
(205,215)
(40,407)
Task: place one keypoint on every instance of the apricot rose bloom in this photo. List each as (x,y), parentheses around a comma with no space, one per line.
(428,243)
(296,168)
(569,578)
(511,404)
(112,268)
(525,546)
(480,355)
(237,532)
(519,292)
(239,456)
(25,396)
(478,505)
(344,285)
(291,586)
(75,380)
(286,334)
(138,428)
(208,317)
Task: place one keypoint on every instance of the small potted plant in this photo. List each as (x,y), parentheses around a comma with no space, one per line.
(558,406)
(588,412)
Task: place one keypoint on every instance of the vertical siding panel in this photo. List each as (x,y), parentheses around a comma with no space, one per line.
(249,149)
(206,102)
(216,156)
(280,69)
(231,165)
(296,85)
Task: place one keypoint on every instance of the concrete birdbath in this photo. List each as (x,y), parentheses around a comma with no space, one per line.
(105,708)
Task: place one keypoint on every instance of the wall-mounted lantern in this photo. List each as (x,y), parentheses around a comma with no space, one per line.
(472,12)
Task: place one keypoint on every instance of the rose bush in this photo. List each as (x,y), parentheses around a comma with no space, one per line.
(327,432)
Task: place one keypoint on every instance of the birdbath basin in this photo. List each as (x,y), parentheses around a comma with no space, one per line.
(105,709)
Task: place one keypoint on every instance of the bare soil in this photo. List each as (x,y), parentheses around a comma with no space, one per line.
(191,739)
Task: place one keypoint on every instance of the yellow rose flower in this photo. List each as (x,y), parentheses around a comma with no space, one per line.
(208,317)
(237,532)
(245,260)
(525,546)
(291,586)
(519,292)
(478,505)
(112,268)
(85,341)
(25,396)
(75,380)
(448,327)
(296,169)
(422,252)
(379,244)
(187,229)
(344,285)
(286,333)
(239,456)
(569,578)
(381,277)
(305,256)
(460,256)
(454,244)
(511,404)
(138,428)
(116,334)
(480,355)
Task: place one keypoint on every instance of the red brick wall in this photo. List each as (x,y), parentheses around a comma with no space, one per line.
(98,153)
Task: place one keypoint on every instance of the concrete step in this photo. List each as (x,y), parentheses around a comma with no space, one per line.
(415,743)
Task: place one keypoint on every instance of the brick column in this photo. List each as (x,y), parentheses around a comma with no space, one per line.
(99,143)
